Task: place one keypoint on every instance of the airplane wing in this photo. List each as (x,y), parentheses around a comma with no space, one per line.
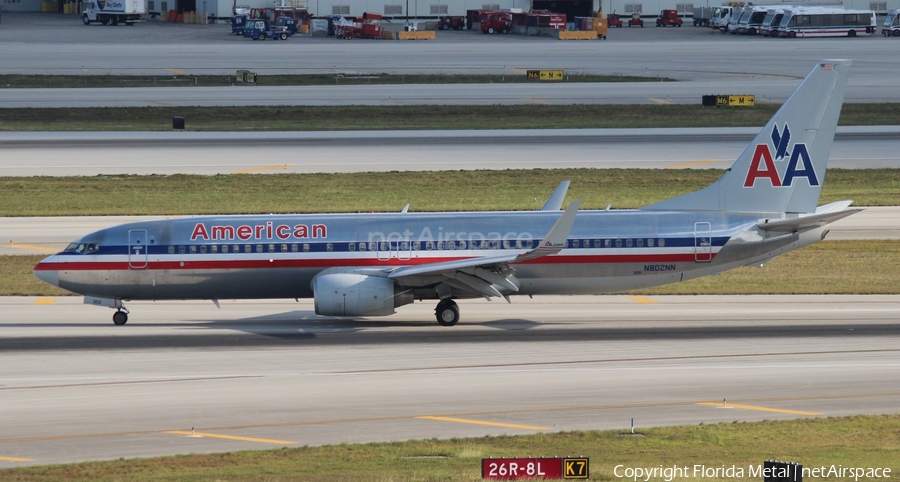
(490,275)
(822,217)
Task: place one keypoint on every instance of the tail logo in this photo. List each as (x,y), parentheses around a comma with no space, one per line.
(762,165)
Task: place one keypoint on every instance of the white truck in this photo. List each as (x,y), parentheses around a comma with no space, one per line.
(113,12)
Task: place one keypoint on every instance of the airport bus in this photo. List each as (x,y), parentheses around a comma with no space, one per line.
(771,22)
(827,22)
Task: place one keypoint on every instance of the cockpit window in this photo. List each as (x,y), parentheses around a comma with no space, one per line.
(93,247)
(82,248)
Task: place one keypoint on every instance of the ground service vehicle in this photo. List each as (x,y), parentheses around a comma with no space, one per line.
(614,20)
(456,23)
(113,12)
(258,29)
(891,25)
(496,22)
(750,21)
(720,17)
(702,16)
(668,17)
(237,24)
(288,24)
(827,22)
(635,20)
(770,23)
(368,264)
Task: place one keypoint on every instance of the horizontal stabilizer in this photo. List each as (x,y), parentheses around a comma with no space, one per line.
(802,222)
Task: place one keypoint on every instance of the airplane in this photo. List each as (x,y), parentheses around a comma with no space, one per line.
(361,265)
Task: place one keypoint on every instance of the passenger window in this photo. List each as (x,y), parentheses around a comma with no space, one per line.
(462,245)
(362,246)
(203,249)
(284,248)
(305,247)
(236,248)
(506,244)
(181,250)
(628,243)
(193,248)
(607,243)
(329,247)
(661,243)
(294,248)
(248,248)
(351,247)
(214,248)
(224,248)
(640,242)
(417,245)
(440,245)
(618,243)
(171,249)
(259,248)
(650,242)
(372,246)
(271,248)
(598,243)
(382,246)
(575,243)
(429,245)
(451,244)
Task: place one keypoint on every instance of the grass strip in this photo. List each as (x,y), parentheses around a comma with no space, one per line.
(415,117)
(859,441)
(17,81)
(183,194)
(832,267)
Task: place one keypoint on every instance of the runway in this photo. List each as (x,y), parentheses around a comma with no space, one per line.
(90,153)
(268,374)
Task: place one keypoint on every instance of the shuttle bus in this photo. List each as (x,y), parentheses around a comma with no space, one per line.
(827,22)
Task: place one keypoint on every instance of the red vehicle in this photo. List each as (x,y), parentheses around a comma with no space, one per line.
(668,17)
(456,23)
(614,20)
(495,22)
(635,20)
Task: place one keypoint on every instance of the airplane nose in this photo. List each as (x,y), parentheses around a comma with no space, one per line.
(46,275)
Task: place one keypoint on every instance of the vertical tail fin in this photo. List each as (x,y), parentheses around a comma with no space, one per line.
(783,169)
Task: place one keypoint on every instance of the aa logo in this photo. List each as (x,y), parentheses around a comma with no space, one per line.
(762,164)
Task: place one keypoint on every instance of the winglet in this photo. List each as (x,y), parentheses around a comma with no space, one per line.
(556,199)
(405,209)
(558,236)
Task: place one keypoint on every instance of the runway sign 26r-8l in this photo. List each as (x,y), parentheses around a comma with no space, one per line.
(535,468)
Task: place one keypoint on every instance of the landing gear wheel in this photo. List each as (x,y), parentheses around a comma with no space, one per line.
(120,318)
(447,313)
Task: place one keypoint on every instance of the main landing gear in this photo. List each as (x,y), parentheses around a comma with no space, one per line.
(120,317)
(447,312)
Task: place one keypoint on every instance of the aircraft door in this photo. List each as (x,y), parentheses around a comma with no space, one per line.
(702,242)
(384,250)
(137,249)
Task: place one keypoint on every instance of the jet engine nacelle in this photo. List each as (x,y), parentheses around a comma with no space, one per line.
(352,293)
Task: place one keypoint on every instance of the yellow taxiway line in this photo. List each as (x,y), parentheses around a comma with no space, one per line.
(521,71)
(264,168)
(660,101)
(177,71)
(33,248)
(45,301)
(230,437)
(692,164)
(536,101)
(481,422)
(759,409)
(642,300)
(15,459)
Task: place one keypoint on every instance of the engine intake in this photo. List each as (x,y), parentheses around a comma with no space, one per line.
(356,294)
